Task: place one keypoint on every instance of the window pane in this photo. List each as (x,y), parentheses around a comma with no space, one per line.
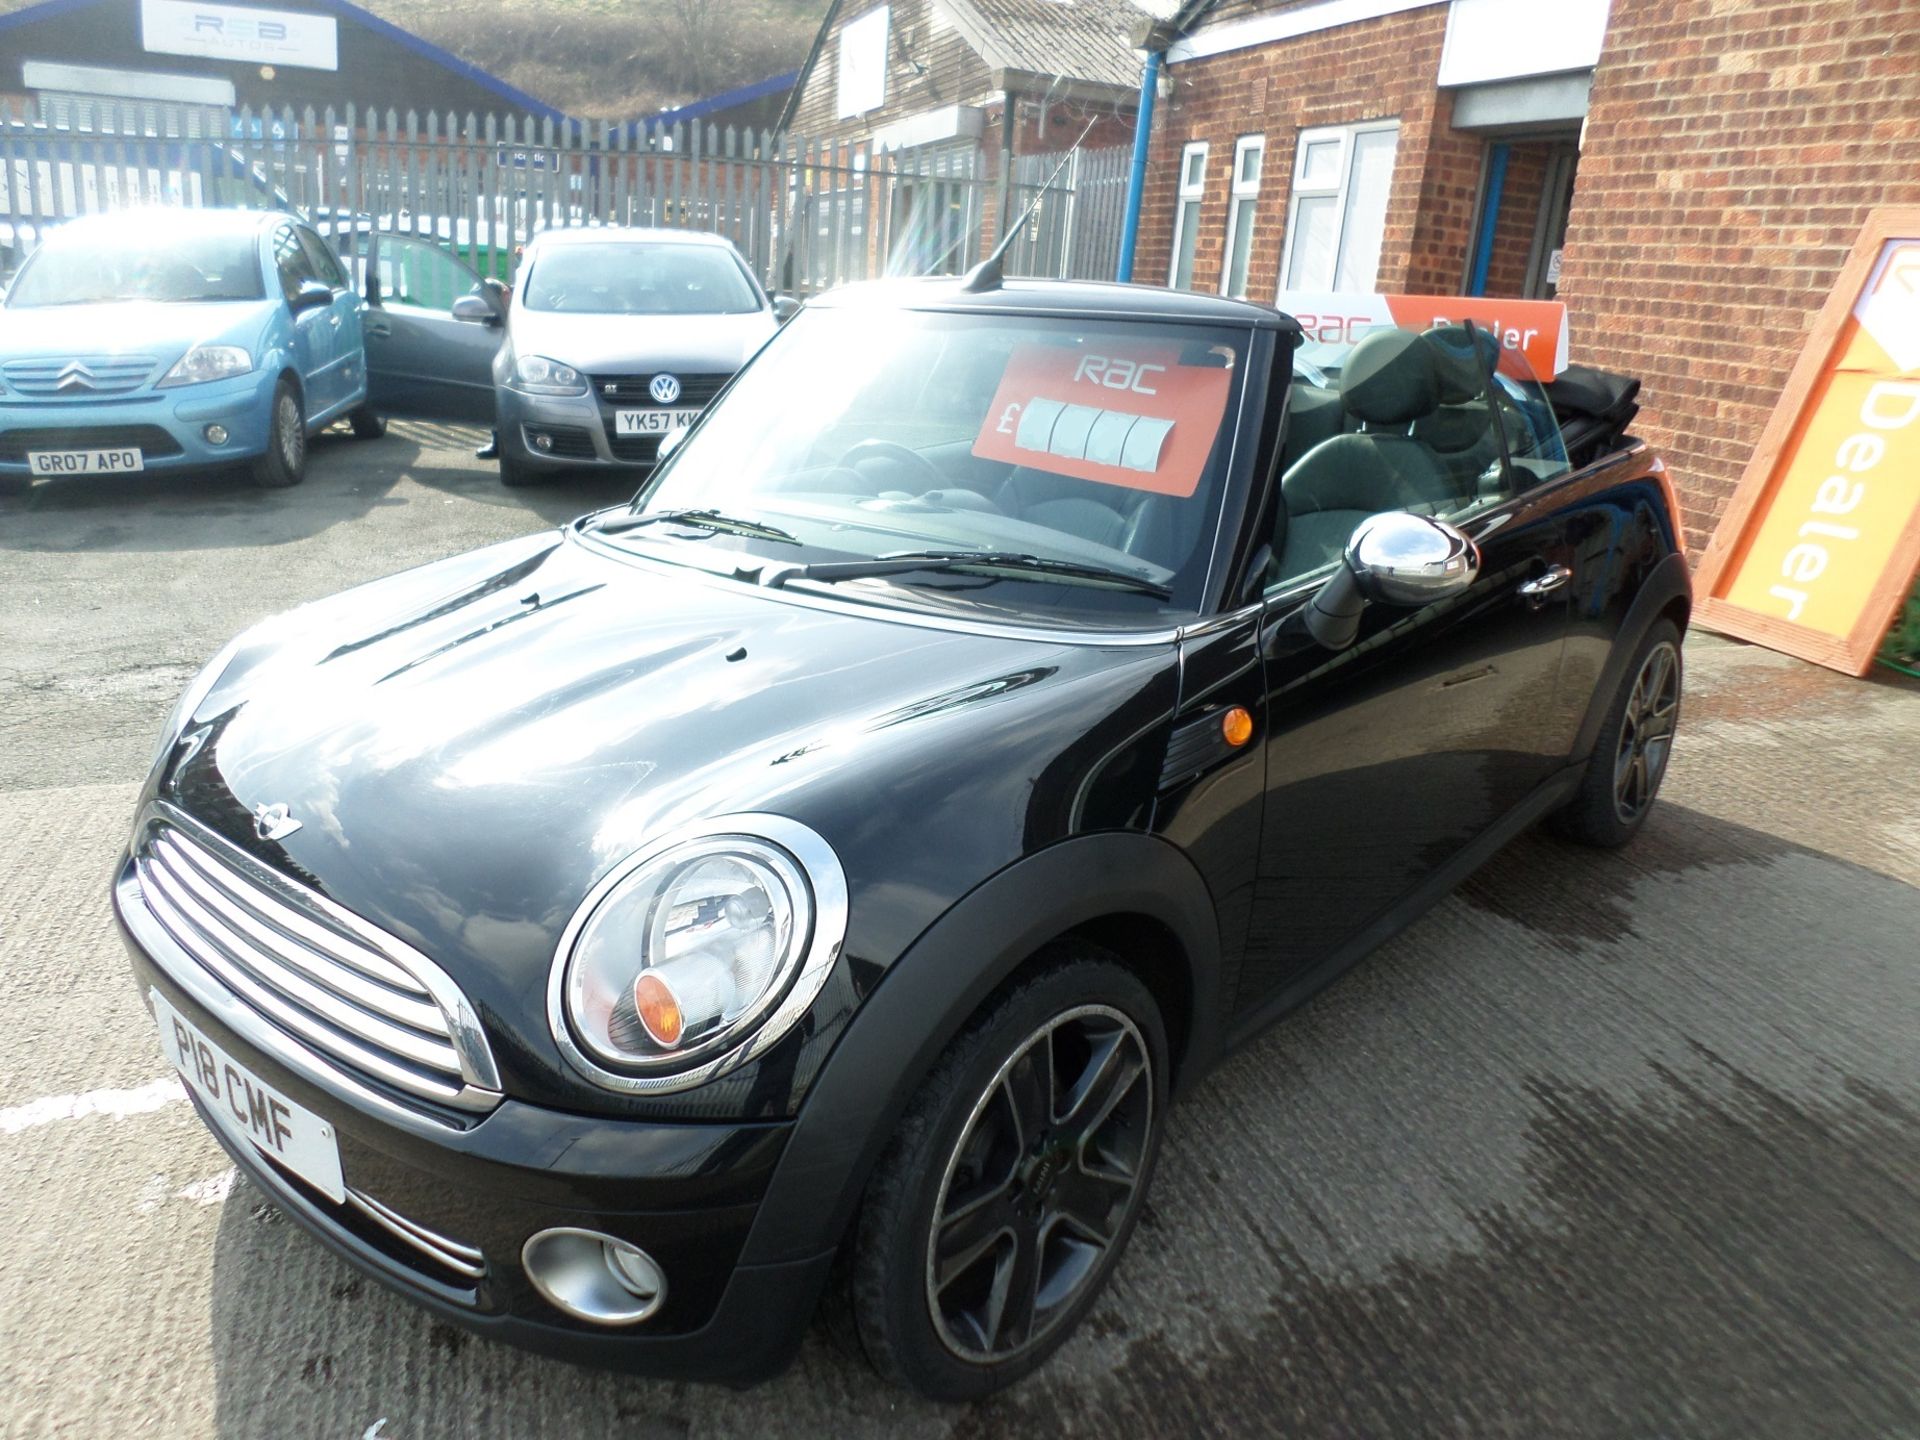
(1242,245)
(1196,170)
(1320,164)
(1366,220)
(1311,264)
(1189,234)
(1250,165)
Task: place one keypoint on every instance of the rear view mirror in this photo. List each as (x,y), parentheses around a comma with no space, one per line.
(1392,559)
(669,443)
(785,307)
(476,310)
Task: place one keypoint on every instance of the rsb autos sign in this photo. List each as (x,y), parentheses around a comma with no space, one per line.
(242,33)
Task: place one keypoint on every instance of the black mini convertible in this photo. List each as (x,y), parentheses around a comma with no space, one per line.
(1008,699)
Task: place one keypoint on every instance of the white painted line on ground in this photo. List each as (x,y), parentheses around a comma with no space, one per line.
(115,1104)
(210,1191)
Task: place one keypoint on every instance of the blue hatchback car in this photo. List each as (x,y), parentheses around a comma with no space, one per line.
(168,339)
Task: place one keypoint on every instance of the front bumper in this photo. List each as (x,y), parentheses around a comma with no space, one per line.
(687,1194)
(169,426)
(579,430)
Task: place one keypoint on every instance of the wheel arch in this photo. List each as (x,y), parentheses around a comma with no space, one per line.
(1665,594)
(1132,894)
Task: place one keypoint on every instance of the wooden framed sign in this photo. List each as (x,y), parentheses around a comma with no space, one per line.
(1821,542)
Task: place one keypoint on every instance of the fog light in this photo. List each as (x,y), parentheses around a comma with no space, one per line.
(594,1277)
(216,434)
(542,440)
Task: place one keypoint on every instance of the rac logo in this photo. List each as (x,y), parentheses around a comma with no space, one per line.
(1117,374)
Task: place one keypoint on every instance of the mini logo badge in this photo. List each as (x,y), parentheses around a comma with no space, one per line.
(665,389)
(273,822)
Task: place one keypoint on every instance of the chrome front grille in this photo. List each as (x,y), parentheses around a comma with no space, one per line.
(76,379)
(461,1259)
(344,990)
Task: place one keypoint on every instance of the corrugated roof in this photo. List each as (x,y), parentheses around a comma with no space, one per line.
(1076,39)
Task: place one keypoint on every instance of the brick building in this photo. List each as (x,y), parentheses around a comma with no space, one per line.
(932,84)
(1687,175)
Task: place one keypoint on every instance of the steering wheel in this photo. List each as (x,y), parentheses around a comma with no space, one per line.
(887,449)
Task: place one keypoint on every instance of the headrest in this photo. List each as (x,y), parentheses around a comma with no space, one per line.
(1462,373)
(1390,378)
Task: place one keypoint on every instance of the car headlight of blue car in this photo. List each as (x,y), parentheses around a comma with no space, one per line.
(208,362)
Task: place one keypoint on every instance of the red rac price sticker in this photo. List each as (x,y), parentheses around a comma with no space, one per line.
(1119,414)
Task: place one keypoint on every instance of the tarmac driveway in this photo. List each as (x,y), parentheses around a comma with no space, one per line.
(1607,1145)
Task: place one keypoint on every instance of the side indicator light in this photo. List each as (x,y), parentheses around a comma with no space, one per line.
(1236,726)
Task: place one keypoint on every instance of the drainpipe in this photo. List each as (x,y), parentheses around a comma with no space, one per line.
(1137,179)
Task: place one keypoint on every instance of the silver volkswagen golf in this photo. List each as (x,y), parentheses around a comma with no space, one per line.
(617,338)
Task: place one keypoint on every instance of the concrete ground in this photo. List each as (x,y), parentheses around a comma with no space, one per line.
(1609,1145)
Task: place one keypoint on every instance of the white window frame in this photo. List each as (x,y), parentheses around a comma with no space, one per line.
(1190,193)
(1241,189)
(1338,191)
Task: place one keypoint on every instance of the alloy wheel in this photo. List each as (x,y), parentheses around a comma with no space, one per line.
(293,439)
(1041,1185)
(1646,732)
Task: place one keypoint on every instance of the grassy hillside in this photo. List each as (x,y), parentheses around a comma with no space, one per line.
(615,59)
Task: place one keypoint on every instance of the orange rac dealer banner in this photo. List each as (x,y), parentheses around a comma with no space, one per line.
(1535,330)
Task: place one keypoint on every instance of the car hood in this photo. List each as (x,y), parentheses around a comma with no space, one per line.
(135,327)
(470,746)
(640,344)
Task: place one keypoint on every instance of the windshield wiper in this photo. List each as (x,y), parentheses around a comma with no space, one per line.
(904,562)
(699,520)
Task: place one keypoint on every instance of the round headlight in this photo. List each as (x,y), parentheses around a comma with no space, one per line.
(697,952)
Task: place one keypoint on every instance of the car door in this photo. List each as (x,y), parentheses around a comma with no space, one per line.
(346,364)
(420,359)
(315,330)
(1389,758)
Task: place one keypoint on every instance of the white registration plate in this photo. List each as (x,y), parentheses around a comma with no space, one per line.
(652,422)
(247,1108)
(86,462)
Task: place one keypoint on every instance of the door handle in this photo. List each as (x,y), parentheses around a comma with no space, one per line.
(1538,589)
(378,327)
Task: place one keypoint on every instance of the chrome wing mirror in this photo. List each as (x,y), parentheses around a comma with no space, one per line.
(1392,559)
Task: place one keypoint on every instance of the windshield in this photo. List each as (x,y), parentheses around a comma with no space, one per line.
(638,279)
(98,268)
(1087,457)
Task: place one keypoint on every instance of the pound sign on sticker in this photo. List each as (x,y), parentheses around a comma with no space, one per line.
(1005,427)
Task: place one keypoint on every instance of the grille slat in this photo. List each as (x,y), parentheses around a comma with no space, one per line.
(289,1017)
(319,1002)
(80,377)
(300,970)
(292,923)
(461,1259)
(633,390)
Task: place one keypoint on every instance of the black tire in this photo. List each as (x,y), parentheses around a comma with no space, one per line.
(517,473)
(285,460)
(1630,758)
(961,1162)
(367,423)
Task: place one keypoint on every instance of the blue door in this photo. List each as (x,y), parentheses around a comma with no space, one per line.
(315,330)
